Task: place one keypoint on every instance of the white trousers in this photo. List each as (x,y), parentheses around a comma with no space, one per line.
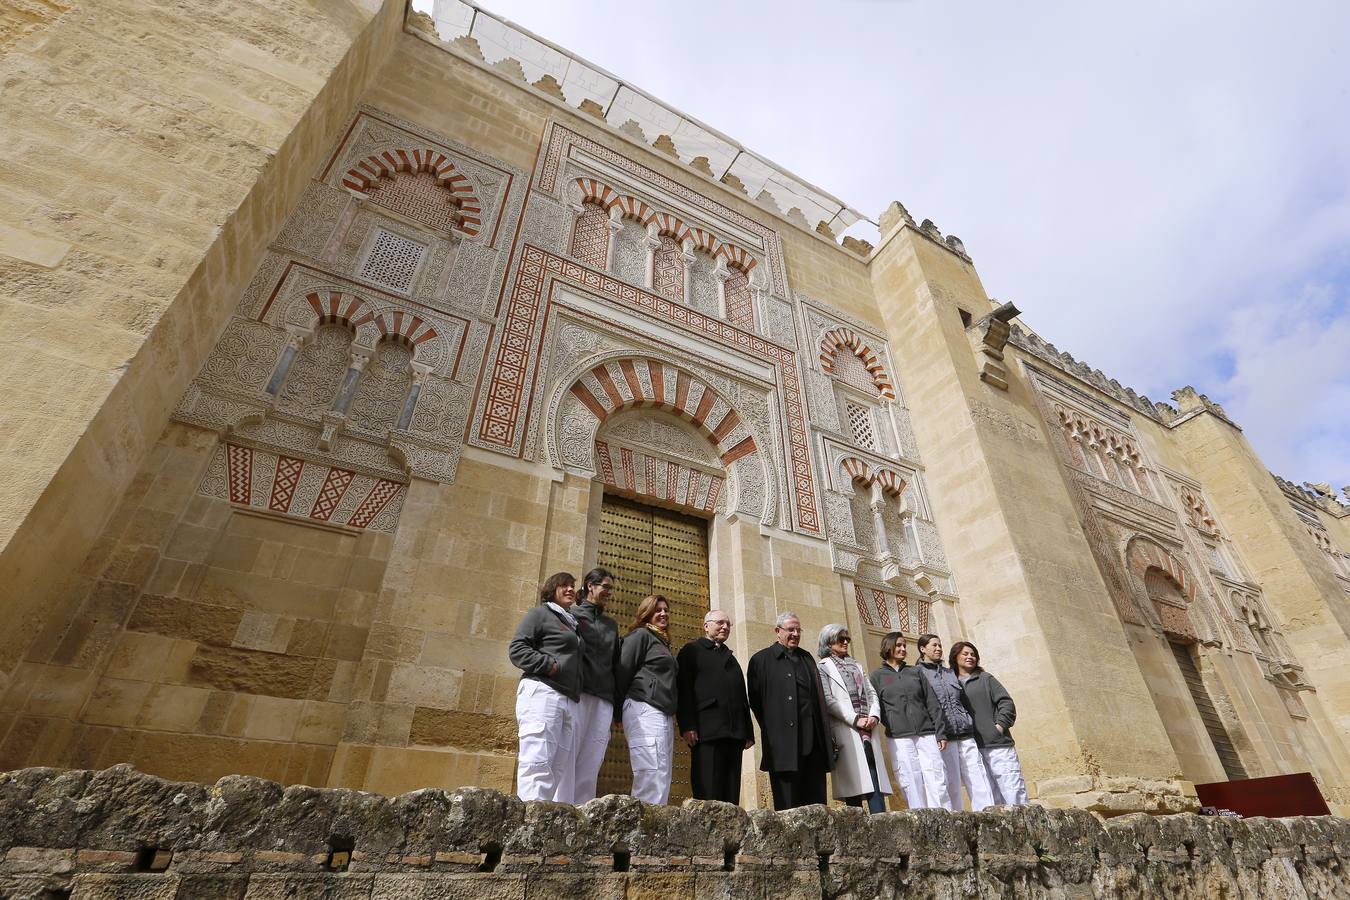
(547,721)
(918,766)
(1005,775)
(651,748)
(965,765)
(594,716)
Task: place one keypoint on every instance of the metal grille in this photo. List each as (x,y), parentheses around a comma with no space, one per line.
(653,551)
(1228,756)
(392,261)
(860,423)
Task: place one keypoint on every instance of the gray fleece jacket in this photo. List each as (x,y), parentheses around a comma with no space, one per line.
(948,689)
(600,640)
(646,672)
(909,708)
(989,703)
(543,639)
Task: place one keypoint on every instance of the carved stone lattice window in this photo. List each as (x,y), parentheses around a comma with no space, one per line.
(740,301)
(590,237)
(668,269)
(852,371)
(392,261)
(419,196)
(860,424)
(318,371)
(383,388)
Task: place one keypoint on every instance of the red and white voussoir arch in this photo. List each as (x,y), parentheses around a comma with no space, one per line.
(363,176)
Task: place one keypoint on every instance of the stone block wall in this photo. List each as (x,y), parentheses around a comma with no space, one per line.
(210,639)
(118,833)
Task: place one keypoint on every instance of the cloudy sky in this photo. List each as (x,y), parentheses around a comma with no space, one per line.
(1163,188)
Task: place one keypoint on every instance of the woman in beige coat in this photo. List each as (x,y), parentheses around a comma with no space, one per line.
(854,711)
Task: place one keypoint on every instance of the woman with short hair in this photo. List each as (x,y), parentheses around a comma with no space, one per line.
(547,650)
(961,758)
(645,692)
(854,711)
(915,730)
(994,713)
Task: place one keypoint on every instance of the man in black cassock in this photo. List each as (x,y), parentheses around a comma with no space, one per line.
(712,712)
(788,703)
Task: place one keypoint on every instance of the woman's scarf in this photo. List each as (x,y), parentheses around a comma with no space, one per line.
(567,616)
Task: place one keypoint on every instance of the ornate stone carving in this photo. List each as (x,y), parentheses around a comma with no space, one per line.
(317,374)
(244,356)
(309,229)
(930,544)
(778,322)
(630,251)
(548,223)
(703,285)
(839,518)
(659,432)
(383,389)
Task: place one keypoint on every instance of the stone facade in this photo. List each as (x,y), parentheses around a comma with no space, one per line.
(117,834)
(293,435)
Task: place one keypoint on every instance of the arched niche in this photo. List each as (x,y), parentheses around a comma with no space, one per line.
(1166,592)
(594,391)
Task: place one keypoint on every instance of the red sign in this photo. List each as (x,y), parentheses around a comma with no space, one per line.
(1277,796)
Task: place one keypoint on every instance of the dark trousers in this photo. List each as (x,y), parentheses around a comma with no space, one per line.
(876,800)
(800,788)
(715,770)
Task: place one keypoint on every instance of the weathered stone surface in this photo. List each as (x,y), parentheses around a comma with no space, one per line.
(252,671)
(124,887)
(466,730)
(95,833)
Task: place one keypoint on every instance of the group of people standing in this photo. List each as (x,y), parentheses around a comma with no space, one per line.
(944,727)
(579,676)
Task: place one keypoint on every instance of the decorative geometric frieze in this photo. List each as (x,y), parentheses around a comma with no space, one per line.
(269,481)
(648,476)
(875,608)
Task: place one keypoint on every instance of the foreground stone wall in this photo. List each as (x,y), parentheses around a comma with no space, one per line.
(119,833)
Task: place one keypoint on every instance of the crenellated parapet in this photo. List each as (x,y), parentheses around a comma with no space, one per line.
(1163,413)
(896,216)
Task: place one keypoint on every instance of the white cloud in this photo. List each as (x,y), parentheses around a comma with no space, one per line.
(1151,183)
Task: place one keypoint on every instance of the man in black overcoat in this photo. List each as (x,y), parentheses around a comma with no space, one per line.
(789,704)
(713,715)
